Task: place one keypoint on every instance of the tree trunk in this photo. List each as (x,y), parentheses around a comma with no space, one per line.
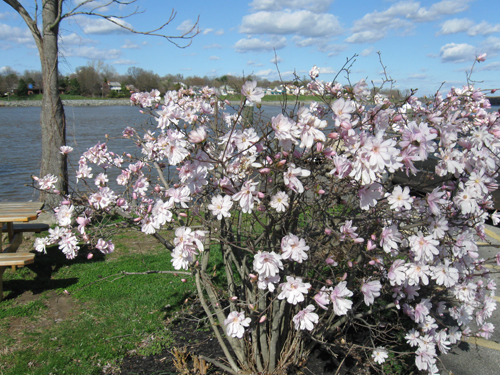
(52,119)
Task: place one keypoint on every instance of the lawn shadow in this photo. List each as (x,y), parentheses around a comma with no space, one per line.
(44,267)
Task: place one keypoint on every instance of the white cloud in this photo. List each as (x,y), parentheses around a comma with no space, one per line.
(491,66)
(213,45)
(16,35)
(129,45)
(73,39)
(214,58)
(259,45)
(491,45)
(455,25)
(459,25)
(401,16)
(207,31)
(318,6)
(302,22)
(326,70)
(457,53)
(124,62)
(253,63)
(5,69)
(272,74)
(366,51)
(102,26)
(418,76)
(93,53)
(276,60)
(368,36)
(7,15)
(219,32)
(186,27)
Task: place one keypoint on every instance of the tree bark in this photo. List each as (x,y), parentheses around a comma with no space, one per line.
(53,121)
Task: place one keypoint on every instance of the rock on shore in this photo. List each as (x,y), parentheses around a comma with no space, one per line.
(70,103)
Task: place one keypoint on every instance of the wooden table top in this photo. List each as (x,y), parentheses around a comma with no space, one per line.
(19,211)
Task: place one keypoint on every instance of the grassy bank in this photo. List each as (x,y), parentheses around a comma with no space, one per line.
(71,317)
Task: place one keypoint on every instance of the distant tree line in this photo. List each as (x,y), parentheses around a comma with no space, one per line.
(92,80)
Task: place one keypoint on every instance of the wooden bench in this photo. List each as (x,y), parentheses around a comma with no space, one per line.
(33,228)
(17,212)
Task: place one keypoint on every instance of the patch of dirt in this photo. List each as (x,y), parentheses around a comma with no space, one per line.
(58,308)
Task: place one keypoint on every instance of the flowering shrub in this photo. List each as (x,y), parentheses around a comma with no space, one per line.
(315,236)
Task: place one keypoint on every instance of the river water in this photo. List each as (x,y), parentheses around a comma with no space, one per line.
(20,140)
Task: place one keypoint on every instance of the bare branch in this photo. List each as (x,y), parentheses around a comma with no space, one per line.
(187,36)
(32,25)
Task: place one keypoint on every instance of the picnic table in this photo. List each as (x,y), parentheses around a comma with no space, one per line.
(11,214)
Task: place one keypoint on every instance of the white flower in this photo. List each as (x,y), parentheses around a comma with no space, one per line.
(371,290)
(293,290)
(294,248)
(220,206)
(267,264)
(236,323)
(65,215)
(340,304)
(279,201)
(379,355)
(305,319)
(400,199)
(252,92)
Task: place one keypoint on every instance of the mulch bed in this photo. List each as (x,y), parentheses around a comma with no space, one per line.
(196,341)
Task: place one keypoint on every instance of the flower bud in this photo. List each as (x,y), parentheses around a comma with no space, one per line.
(319,146)
(183,214)
(264,170)
(261,195)
(90,256)
(328,231)
(297,154)
(281,163)
(329,282)
(263,318)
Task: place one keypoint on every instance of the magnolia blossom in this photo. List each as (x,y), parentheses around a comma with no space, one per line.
(341,305)
(379,355)
(293,290)
(47,182)
(291,180)
(400,199)
(106,247)
(65,215)
(294,248)
(279,201)
(65,150)
(306,319)
(236,323)
(246,196)
(252,92)
(220,206)
(267,264)
(371,290)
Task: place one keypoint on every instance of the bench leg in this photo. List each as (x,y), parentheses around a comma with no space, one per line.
(2,269)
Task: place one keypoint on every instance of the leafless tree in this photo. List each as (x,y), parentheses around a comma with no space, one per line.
(45,32)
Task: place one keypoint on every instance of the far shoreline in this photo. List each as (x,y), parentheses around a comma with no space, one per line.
(108,102)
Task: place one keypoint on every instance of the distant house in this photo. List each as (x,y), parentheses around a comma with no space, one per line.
(115,86)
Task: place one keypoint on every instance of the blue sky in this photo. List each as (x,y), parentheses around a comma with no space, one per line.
(423,43)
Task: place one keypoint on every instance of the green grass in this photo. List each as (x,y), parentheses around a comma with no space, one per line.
(109,317)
